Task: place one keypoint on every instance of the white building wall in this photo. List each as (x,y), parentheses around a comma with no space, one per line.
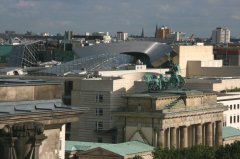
(232,115)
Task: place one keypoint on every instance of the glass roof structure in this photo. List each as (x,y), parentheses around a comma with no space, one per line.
(113,56)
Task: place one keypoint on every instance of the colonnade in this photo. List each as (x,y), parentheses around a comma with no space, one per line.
(209,134)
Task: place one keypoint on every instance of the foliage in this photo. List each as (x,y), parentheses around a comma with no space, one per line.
(200,152)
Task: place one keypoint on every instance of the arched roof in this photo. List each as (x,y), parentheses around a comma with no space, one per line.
(154,50)
(112,55)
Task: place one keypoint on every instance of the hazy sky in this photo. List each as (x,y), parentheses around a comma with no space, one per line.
(197,17)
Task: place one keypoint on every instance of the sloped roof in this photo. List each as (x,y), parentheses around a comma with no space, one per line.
(38,110)
(230,132)
(123,149)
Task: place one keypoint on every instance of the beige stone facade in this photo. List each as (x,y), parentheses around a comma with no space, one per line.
(198,61)
(102,95)
(173,119)
(32,112)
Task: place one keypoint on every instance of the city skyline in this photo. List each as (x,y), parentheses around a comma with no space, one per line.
(56,16)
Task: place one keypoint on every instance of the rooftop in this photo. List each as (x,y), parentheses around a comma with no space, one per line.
(37,110)
(123,149)
(230,132)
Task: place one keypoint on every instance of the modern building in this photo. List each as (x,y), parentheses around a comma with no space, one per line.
(163,32)
(173,119)
(122,36)
(229,55)
(232,115)
(5,53)
(221,36)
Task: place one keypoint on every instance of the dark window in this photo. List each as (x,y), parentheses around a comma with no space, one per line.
(238,118)
(230,107)
(99,111)
(234,106)
(230,119)
(99,98)
(234,119)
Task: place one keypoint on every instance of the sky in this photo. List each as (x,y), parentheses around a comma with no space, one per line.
(198,17)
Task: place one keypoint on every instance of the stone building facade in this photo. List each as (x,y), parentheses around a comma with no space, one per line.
(33,118)
(173,119)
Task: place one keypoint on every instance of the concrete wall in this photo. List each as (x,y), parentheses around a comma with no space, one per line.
(195,69)
(191,53)
(37,92)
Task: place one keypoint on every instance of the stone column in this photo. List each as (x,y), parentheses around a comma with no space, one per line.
(184,137)
(167,138)
(198,134)
(161,138)
(173,137)
(208,134)
(190,136)
(218,135)
(193,132)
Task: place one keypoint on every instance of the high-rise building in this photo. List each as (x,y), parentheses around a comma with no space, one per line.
(122,36)
(221,35)
(163,32)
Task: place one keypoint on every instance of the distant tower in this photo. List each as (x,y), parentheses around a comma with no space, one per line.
(156,31)
(221,35)
(142,35)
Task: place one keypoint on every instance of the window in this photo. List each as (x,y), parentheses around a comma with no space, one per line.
(230,119)
(238,106)
(238,118)
(99,125)
(234,119)
(230,107)
(234,106)
(99,98)
(99,111)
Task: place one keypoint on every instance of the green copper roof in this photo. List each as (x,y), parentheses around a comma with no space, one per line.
(230,132)
(5,50)
(123,149)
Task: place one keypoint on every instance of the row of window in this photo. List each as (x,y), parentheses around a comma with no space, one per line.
(234,119)
(234,106)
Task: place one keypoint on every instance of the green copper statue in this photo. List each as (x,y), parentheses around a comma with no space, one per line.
(159,83)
